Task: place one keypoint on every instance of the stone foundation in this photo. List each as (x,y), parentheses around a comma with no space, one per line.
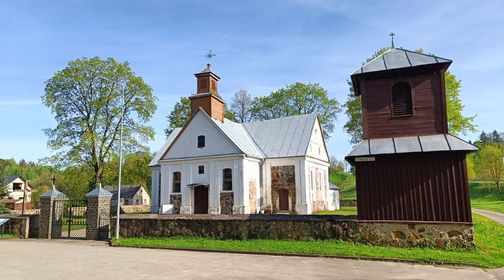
(176,200)
(226,202)
(300,227)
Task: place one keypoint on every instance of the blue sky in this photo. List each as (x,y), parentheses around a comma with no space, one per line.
(260,45)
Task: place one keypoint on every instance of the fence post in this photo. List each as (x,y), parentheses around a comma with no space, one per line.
(98,214)
(49,213)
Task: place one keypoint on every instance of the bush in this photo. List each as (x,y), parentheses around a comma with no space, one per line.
(3,209)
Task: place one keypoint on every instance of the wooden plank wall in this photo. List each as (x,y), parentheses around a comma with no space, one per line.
(428,102)
(414,187)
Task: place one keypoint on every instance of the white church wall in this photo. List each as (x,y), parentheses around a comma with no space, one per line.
(316,148)
(317,180)
(298,162)
(186,145)
(155,185)
(212,176)
(251,178)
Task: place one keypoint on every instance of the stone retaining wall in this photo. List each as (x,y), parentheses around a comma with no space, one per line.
(299,227)
(17,225)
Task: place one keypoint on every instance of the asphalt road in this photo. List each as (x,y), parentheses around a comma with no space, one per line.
(60,259)
(498,217)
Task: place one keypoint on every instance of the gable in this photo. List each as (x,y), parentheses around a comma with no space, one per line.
(186,143)
(317,148)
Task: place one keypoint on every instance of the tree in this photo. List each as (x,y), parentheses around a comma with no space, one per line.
(491,165)
(297,99)
(3,187)
(241,106)
(181,113)
(135,170)
(85,98)
(457,123)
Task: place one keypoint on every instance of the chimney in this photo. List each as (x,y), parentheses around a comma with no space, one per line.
(207,95)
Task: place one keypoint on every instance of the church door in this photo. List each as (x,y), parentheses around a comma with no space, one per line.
(201,200)
(283,200)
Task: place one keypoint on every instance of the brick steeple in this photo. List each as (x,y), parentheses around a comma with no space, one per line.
(207,94)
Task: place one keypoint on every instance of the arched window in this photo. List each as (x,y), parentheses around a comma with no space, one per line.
(227,179)
(176,182)
(402,102)
(201,141)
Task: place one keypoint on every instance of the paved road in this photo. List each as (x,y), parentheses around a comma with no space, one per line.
(59,259)
(498,217)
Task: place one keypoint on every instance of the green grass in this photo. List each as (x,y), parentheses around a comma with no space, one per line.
(484,195)
(344,211)
(489,252)
(346,182)
(8,236)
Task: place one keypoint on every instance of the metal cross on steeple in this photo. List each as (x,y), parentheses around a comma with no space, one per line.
(210,55)
(53,180)
(392,34)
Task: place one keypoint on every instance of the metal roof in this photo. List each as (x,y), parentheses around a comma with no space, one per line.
(127,191)
(399,58)
(167,144)
(283,137)
(237,133)
(410,144)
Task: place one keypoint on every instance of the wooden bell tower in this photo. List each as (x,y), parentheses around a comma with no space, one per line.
(408,167)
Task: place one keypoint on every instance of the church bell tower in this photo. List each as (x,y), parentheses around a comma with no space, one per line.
(207,94)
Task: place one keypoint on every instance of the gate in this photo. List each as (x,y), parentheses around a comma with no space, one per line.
(69,219)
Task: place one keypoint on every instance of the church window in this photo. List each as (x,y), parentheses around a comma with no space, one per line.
(176,182)
(402,102)
(227,182)
(201,141)
(201,169)
(203,84)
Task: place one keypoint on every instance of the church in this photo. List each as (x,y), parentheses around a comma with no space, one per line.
(213,165)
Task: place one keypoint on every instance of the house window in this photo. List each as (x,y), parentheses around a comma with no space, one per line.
(176,182)
(402,102)
(227,179)
(201,169)
(201,141)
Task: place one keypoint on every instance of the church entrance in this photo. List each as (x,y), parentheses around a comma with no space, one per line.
(283,200)
(201,200)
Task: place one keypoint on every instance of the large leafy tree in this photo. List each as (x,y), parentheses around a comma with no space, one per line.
(296,99)
(457,122)
(85,98)
(135,170)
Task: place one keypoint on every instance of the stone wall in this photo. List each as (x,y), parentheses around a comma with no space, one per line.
(283,178)
(300,227)
(176,200)
(131,209)
(17,225)
(226,202)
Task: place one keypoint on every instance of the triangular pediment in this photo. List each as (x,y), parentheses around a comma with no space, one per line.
(186,143)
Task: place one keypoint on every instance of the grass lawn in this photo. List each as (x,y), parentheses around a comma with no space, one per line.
(484,195)
(346,182)
(344,211)
(488,254)
(7,236)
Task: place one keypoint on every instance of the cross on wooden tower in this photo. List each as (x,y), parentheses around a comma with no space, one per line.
(392,34)
(210,55)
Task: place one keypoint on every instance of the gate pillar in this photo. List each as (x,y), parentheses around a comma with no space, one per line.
(98,214)
(50,211)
